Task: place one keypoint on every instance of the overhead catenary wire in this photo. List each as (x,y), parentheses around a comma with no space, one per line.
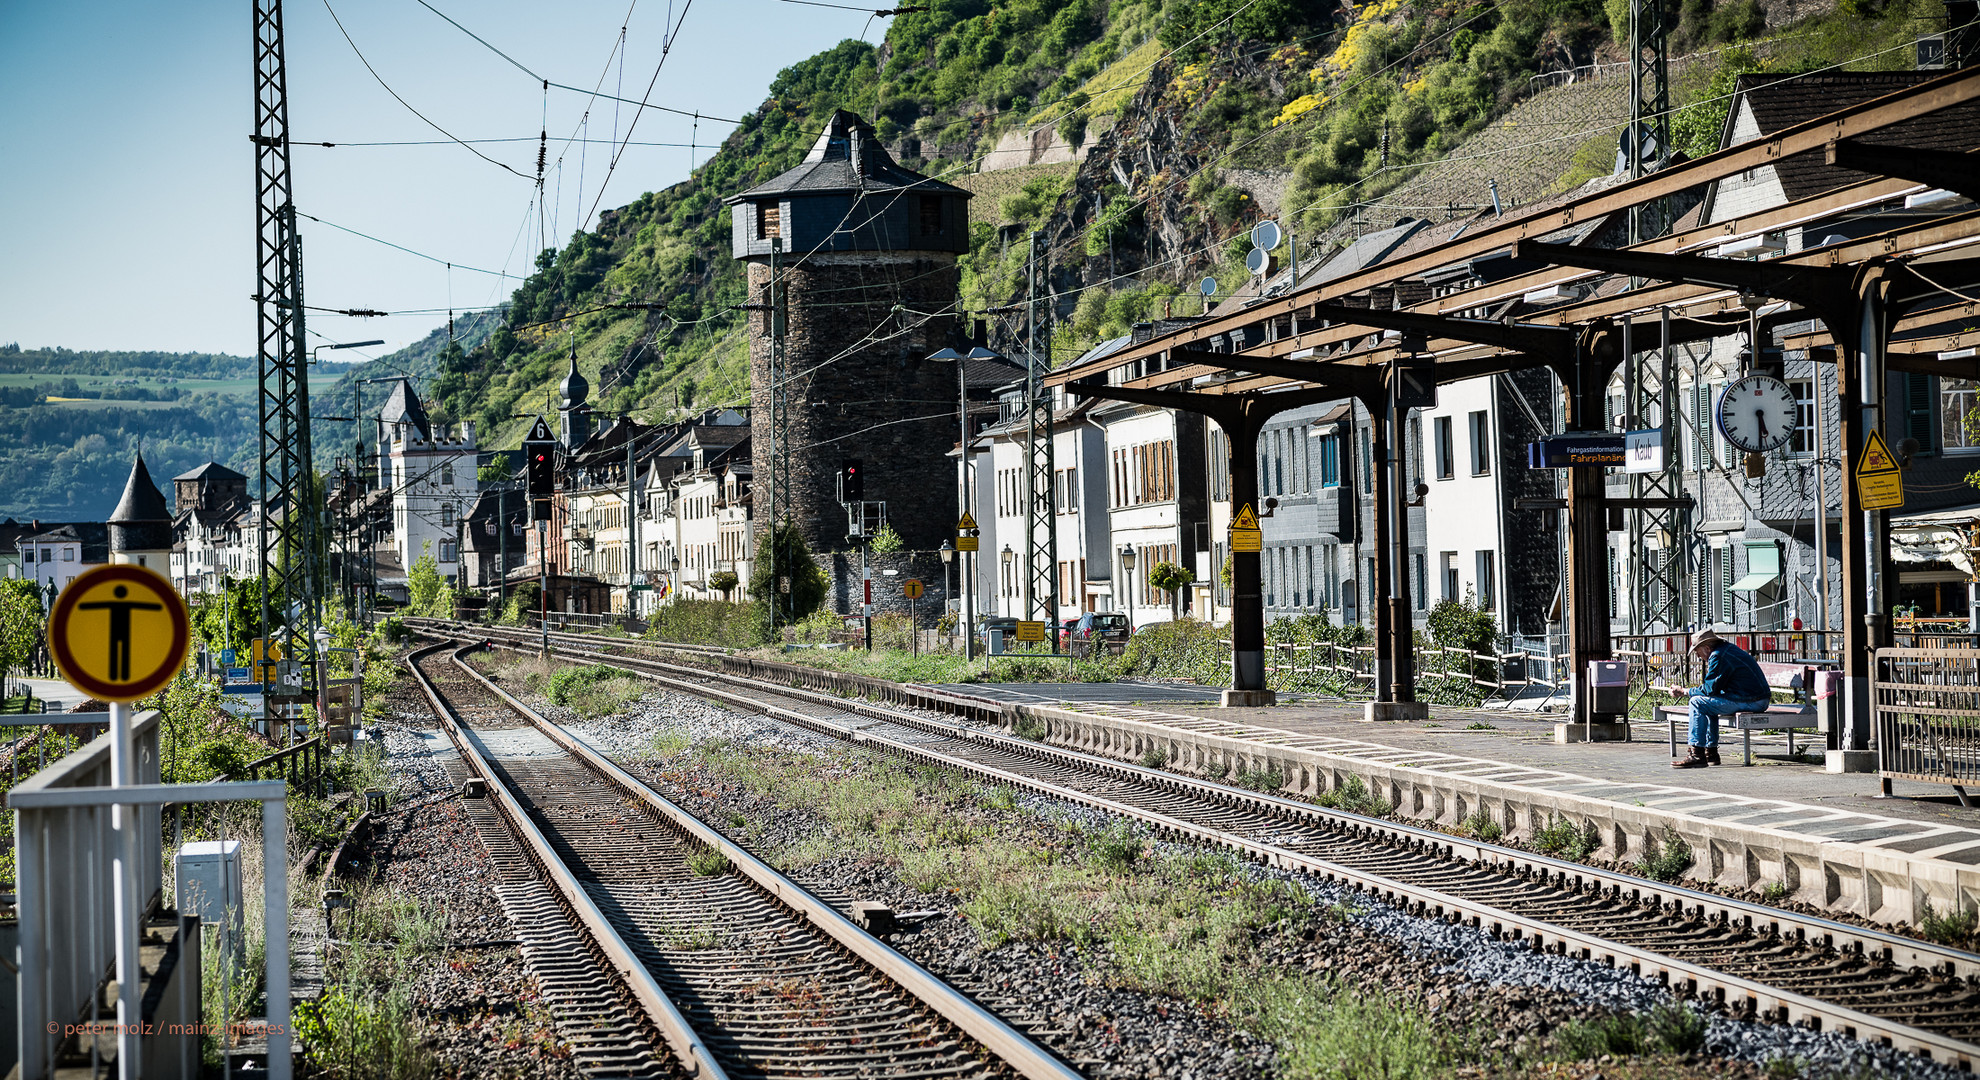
(396,97)
(666,50)
(407,250)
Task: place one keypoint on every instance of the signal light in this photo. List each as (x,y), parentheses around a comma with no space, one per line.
(852,480)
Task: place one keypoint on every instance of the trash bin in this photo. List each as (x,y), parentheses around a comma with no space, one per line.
(1828,699)
(1608,686)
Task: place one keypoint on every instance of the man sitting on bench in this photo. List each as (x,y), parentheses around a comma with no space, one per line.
(1733,684)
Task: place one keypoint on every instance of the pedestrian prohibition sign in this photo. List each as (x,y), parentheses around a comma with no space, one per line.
(119,633)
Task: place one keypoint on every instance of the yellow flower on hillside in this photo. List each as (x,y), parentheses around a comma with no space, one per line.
(1298,107)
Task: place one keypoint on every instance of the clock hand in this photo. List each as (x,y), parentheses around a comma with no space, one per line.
(1762,415)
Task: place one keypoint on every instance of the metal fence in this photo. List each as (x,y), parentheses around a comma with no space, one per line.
(1926,705)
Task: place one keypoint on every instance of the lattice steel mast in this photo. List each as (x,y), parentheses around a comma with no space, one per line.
(288,549)
(1657,574)
(1041,534)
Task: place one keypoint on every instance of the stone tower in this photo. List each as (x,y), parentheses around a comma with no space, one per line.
(141,526)
(869,268)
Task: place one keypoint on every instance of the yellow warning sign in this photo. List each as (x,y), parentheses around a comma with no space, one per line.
(968,521)
(1029,631)
(966,532)
(119,633)
(1877,456)
(1245,534)
(1879,484)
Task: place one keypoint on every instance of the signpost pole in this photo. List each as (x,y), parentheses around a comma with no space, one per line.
(123,820)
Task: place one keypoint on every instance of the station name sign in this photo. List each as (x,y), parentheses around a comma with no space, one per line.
(1575,452)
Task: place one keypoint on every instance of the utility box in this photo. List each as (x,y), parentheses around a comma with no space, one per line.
(1827,697)
(208,885)
(996,642)
(1608,687)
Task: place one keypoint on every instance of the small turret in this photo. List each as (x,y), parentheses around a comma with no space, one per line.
(141,526)
(576,409)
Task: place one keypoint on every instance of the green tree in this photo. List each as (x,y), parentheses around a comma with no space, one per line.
(723,581)
(20,625)
(793,561)
(1172,579)
(887,541)
(230,618)
(427,593)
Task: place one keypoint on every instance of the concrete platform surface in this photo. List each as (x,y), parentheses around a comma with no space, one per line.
(1827,837)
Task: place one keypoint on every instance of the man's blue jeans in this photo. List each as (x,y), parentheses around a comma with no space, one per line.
(1705,713)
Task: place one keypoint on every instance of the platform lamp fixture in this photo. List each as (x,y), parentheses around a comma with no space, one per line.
(1126,585)
(948,553)
(1009,558)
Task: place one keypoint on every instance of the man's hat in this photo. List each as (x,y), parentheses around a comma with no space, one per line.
(1705,636)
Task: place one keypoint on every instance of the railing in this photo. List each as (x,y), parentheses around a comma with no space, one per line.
(1926,709)
(300,765)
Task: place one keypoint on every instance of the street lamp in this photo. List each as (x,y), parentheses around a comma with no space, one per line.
(343,345)
(967,613)
(948,553)
(1126,584)
(1009,558)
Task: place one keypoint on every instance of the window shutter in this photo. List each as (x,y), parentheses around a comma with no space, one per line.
(1918,399)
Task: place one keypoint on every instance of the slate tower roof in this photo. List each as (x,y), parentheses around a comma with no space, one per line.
(142,521)
(403,407)
(849,194)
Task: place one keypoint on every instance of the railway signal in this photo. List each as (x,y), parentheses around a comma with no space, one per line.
(852,480)
(539,453)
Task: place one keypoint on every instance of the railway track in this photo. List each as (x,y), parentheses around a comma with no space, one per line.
(1757,960)
(656,934)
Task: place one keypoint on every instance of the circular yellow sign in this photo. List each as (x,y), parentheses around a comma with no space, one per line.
(119,633)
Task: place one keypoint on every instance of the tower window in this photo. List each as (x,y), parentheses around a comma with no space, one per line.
(769,220)
(931,215)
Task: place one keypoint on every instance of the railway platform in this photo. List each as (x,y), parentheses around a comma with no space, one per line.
(1828,839)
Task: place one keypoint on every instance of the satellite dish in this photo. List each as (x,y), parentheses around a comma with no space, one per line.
(1265,236)
(1208,286)
(1258,261)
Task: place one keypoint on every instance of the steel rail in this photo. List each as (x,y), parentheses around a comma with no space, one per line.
(1012,1047)
(1787,1006)
(693,1055)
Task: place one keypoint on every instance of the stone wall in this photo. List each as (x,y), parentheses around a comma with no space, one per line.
(861,387)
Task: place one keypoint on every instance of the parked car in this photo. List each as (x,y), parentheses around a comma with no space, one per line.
(1097,629)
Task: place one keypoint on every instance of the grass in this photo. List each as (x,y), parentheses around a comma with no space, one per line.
(1265,781)
(365,1024)
(1774,892)
(1353,796)
(1153,758)
(594,691)
(1563,839)
(906,667)
(707,862)
(1481,725)
(1667,1029)
(1667,860)
(1482,826)
(1954,929)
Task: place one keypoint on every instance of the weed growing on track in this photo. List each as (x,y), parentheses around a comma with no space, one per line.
(1665,861)
(1774,892)
(1669,1028)
(1563,839)
(594,691)
(1954,929)
(707,862)
(1481,826)
(1267,781)
(1154,758)
(1353,796)
(364,1024)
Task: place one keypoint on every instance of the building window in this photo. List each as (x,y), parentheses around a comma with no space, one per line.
(447,473)
(1367,462)
(68,554)
(1481,445)
(1956,420)
(1330,460)
(1446,453)
(1917,419)
(449,551)
(1804,416)
(446,515)
(1421,564)
(1447,571)
(1486,584)
(769,220)
(931,215)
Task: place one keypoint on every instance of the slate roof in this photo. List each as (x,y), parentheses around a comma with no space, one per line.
(403,407)
(212,470)
(1782,101)
(142,501)
(93,535)
(847,158)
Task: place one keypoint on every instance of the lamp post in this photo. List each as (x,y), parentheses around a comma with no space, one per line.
(962,473)
(948,553)
(1126,584)
(1009,557)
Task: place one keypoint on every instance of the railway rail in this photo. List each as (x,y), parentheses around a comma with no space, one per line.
(1754,959)
(657,930)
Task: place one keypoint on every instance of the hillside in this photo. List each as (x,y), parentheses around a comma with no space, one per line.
(1143,137)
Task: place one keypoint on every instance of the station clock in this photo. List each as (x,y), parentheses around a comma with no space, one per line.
(1757,413)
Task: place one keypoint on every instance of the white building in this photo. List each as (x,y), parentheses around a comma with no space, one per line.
(431,478)
(53,558)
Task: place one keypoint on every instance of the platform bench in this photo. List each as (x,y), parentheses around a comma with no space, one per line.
(1797,678)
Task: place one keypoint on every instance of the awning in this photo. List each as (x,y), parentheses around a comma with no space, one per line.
(1763,565)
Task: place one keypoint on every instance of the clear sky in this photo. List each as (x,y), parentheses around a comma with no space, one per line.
(126,173)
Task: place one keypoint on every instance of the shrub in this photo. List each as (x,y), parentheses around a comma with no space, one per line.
(1482,826)
(1666,861)
(1564,839)
(709,622)
(1954,929)
(707,862)
(1669,1028)
(567,684)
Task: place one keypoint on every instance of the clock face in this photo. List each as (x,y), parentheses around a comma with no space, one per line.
(1757,413)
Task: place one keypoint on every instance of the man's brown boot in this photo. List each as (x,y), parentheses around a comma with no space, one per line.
(1694,758)
(1711,755)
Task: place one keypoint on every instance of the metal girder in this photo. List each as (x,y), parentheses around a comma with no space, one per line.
(1530,338)
(1924,99)
(1807,285)
(1948,169)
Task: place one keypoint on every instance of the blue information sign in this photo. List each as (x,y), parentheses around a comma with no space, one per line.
(227,657)
(1576,452)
